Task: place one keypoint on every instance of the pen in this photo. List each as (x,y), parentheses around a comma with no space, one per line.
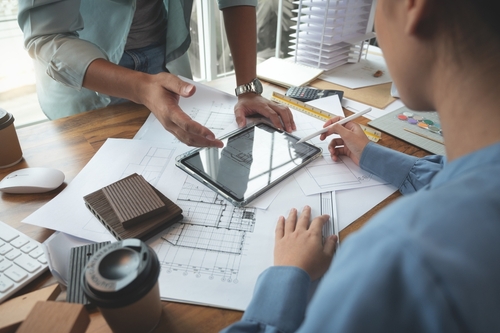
(341,121)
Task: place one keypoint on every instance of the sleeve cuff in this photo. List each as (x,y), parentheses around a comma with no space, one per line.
(280,298)
(388,164)
(70,70)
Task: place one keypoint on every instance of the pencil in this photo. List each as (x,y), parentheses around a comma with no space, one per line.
(341,121)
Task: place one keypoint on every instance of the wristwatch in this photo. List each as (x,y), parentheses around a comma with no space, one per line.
(254,86)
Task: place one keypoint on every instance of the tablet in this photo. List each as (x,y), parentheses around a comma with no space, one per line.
(253,159)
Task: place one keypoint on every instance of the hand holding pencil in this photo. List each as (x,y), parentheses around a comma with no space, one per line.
(340,122)
(351,143)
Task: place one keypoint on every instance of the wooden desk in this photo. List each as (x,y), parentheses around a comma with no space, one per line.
(68,144)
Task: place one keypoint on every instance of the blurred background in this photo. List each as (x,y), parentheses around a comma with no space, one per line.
(209,52)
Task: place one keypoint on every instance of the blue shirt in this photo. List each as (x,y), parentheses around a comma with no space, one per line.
(65,36)
(427,263)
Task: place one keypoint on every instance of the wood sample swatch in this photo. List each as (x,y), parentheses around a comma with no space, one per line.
(78,259)
(133,200)
(60,317)
(133,208)
(13,312)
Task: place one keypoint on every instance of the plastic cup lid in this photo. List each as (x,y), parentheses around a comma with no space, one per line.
(5,119)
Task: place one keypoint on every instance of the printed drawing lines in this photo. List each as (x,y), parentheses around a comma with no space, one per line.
(210,240)
(325,173)
(216,118)
(152,164)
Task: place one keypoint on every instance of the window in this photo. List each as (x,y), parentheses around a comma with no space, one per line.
(17,78)
(209,53)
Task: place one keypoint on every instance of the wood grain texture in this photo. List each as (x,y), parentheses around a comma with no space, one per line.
(133,199)
(16,310)
(60,317)
(69,143)
(148,226)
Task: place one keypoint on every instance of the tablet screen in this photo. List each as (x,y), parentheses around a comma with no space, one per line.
(252,160)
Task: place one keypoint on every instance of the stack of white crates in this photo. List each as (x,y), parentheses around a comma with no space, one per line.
(331,33)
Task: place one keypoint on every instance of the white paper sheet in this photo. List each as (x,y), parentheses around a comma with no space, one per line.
(330,104)
(375,113)
(352,204)
(218,263)
(116,159)
(359,75)
(214,256)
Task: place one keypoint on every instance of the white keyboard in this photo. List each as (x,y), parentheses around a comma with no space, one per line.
(22,259)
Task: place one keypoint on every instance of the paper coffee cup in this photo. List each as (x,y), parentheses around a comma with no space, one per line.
(10,149)
(121,279)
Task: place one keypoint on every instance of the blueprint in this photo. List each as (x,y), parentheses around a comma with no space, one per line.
(215,254)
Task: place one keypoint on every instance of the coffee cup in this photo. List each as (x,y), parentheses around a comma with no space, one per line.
(121,279)
(10,149)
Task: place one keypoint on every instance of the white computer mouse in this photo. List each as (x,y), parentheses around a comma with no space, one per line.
(32,180)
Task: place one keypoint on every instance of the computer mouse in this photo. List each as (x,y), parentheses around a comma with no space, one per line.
(32,180)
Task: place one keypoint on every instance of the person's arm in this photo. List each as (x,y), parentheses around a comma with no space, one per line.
(159,93)
(382,280)
(51,37)
(281,293)
(50,31)
(408,173)
(241,31)
(278,303)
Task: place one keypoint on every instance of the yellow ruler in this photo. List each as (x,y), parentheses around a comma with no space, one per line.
(371,133)
(317,113)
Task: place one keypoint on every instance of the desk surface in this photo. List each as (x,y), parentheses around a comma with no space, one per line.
(69,143)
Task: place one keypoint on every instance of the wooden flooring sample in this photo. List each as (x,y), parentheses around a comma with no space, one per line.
(121,201)
(13,312)
(60,317)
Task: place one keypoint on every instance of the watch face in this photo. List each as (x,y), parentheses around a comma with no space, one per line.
(258,86)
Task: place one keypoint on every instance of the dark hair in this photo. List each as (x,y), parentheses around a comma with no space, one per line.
(473,24)
(488,11)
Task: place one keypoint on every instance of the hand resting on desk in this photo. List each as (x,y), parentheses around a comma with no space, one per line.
(351,143)
(250,103)
(299,243)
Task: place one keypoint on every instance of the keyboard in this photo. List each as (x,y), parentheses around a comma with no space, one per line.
(22,259)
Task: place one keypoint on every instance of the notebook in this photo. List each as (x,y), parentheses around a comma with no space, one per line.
(286,73)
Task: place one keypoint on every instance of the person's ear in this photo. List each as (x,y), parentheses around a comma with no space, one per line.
(419,17)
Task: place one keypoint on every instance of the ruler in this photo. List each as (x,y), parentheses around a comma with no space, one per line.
(301,106)
(317,113)
(372,134)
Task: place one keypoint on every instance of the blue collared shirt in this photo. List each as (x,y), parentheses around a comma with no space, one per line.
(427,263)
(65,36)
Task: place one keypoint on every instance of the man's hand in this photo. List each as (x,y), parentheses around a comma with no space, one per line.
(161,96)
(159,93)
(250,103)
(300,243)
